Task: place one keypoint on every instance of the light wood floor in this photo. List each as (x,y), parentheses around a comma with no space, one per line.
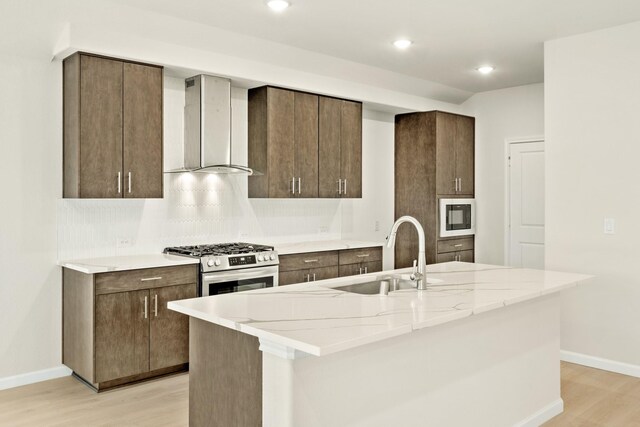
(595,398)
(592,398)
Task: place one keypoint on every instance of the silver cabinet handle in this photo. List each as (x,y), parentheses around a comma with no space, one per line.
(460,184)
(345,187)
(155,307)
(340,186)
(145,307)
(366,270)
(459,245)
(314,277)
(129,182)
(299,185)
(119,182)
(360,270)
(307,277)
(362,255)
(310,260)
(148,279)
(293,185)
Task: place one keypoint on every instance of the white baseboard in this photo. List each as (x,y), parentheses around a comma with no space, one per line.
(600,363)
(34,377)
(543,415)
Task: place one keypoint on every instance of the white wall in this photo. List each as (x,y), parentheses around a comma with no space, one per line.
(500,115)
(371,217)
(592,104)
(31,181)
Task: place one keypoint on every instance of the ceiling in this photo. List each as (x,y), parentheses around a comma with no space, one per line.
(451,38)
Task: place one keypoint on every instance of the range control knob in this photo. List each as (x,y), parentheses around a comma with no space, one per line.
(260,258)
(272,257)
(210,263)
(217,262)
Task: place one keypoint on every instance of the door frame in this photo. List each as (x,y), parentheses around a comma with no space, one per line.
(507,189)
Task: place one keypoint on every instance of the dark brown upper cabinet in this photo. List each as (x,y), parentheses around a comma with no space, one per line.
(340,145)
(112,128)
(304,144)
(454,136)
(283,143)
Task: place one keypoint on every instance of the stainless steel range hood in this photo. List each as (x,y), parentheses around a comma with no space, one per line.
(207,127)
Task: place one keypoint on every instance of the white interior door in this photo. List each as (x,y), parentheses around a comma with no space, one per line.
(526,205)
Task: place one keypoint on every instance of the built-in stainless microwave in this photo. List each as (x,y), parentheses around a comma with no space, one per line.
(457,217)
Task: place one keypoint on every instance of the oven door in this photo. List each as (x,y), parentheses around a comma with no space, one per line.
(246,279)
(457,217)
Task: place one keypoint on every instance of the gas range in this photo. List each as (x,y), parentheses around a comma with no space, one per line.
(228,256)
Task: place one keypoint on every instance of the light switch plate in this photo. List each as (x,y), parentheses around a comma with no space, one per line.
(609,226)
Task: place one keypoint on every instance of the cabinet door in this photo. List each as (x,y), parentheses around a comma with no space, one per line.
(122,335)
(291,277)
(306,144)
(280,145)
(100,128)
(446,125)
(371,267)
(329,118)
(351,149)
(465,154)
(142,108)
(168,330)
(350,270)
(447,257)
(323,273)
(466,256)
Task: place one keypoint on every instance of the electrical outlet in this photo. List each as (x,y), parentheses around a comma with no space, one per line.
(124,242)
(376,226)
(323,229)
(609,226)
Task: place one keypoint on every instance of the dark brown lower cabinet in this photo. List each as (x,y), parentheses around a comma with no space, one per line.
(295,268)
(169,330)
(122,335)
(117,328)
(464,256)
(307,275)
(361,268)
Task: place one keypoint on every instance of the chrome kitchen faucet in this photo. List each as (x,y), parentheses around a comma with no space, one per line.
(419,274)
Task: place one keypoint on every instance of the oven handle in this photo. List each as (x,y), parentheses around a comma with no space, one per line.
(252,274)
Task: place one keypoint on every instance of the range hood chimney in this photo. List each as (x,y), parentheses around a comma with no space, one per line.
(207,127)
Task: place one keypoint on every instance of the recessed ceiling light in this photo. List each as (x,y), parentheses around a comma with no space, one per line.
(485,69)
(278,5)
(402,43)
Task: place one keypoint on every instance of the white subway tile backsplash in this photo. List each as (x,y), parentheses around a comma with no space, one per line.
(197,208)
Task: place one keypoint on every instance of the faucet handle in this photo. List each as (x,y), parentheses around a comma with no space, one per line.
(415,270)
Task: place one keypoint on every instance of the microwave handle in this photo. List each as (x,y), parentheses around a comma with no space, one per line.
(213,278)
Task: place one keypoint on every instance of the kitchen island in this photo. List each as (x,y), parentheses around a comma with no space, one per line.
(479,347)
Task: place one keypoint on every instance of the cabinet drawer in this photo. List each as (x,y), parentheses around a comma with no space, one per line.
(454,245)
(356,256)
(463,256)
(308,260)
(148,278)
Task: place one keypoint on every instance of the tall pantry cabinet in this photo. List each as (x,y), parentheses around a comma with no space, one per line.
(434,158)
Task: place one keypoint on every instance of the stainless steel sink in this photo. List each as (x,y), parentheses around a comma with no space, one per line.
(382,286)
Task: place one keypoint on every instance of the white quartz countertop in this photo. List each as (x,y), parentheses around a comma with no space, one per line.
(318,320)
(128,262)
(322,245)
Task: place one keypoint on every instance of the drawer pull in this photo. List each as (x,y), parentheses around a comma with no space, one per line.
(148,279)
(310,260)
(362,255)
(459,245)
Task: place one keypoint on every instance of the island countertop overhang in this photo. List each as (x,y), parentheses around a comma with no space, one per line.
(319,320)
